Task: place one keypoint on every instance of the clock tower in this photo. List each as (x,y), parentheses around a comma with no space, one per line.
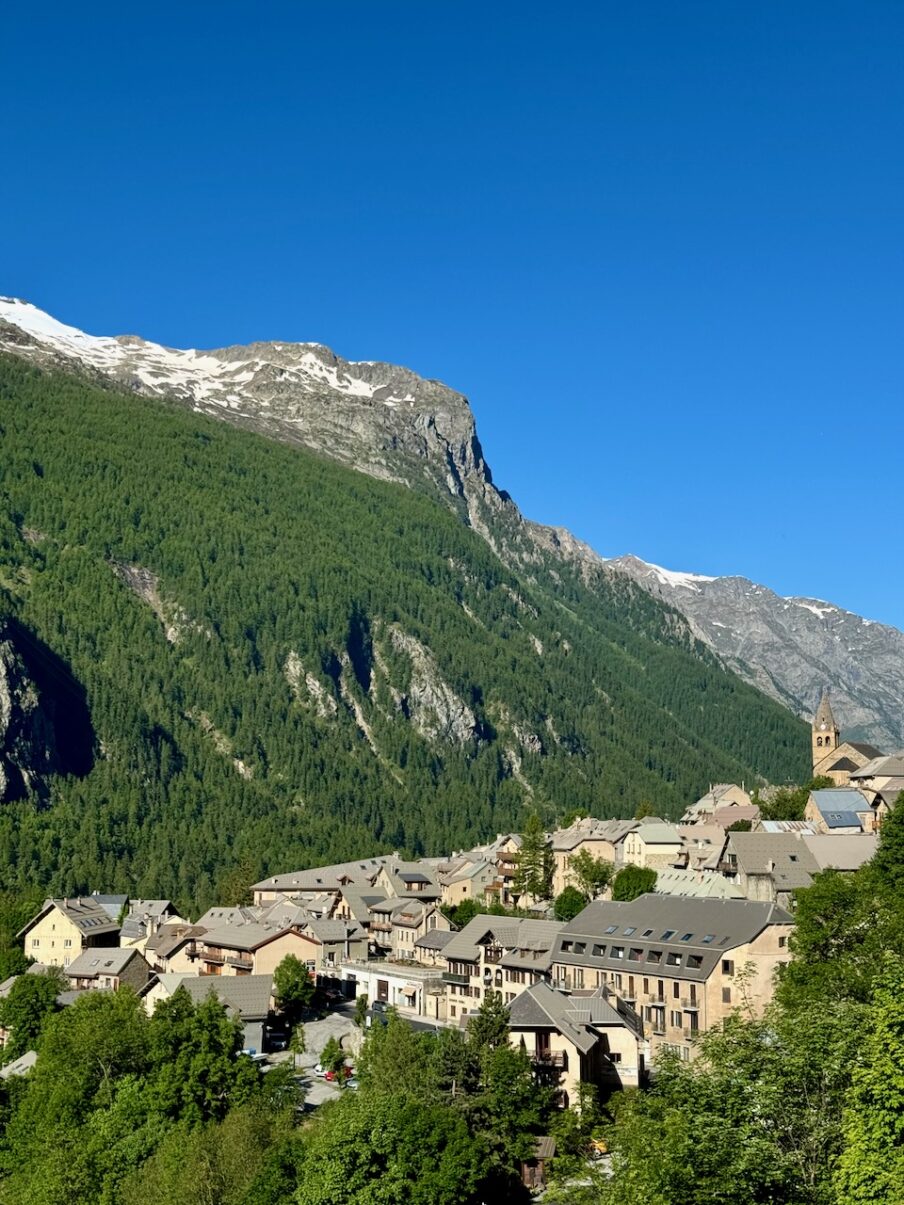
(825,734)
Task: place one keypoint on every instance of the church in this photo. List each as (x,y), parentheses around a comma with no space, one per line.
(832,757)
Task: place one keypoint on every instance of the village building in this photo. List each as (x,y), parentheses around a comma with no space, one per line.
(252,948)
(602,839)
(683,965)
(65,927)
(832,757)
(653,844)
(172,949)
(496,953)
(839,810)
(702,845)
(416,992)
(577,1040)
(301,884)
(108,969)
(769,866)
(840,852)
(248,998)
(699,884)
(397,924)
(144,918)
(721,797)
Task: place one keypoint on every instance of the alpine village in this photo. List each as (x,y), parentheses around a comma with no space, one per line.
(556,958)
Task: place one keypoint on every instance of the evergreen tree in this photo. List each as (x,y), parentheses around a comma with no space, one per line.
(533,876)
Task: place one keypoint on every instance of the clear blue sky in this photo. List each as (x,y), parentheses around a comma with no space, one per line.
(658,245)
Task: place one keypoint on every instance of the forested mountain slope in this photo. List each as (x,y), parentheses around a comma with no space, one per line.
(285,660)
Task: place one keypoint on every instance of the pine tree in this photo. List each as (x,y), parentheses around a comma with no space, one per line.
(535,861)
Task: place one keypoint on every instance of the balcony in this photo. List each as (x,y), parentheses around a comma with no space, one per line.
(690,1034)
(492,954)
(690,1004)
(656,998)
(452,977)
(210,954)
(551,1058)
(243,962)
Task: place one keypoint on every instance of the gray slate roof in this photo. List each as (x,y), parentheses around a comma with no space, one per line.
(542,1007)
(654,924)
(246,995)
(841,851)
(86,913)
(320,878)
(101,960)
(792,863)
(510,932)
(436,939)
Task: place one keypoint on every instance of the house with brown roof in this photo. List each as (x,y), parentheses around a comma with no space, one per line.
(769,866)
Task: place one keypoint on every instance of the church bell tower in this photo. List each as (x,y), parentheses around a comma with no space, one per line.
(825,734)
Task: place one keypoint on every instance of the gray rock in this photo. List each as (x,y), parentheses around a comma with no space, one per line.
(792,648)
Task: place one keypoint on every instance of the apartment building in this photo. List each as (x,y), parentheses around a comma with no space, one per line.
(496,953)
(603,839)
(682,964)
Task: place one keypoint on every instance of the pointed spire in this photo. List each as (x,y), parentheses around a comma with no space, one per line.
(824,717)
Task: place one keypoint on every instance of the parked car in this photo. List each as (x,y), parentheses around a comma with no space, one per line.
(379,1006)
(345,1073)
(352,1083)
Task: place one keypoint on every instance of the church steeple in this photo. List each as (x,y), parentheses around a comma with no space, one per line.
(825,735)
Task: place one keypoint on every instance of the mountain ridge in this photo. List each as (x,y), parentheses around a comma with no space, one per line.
(392,424)
(791,647)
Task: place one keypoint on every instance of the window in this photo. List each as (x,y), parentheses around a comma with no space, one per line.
(654,956)
(727,966)
(694,961)
(566,947)
(635,955)
(782,942)
(646,986)
(819,742)
(612,928)
(676,1019)
(673,960)
(668,935)
(614,1056)
(35,942)
(617,952)
(67,944)
(616,981)
(726,995)
(579,977)
(628,932)
(599,951)
(580,947)
(687,937)
(676,991)
(647,933)
(710,937)
(792,857)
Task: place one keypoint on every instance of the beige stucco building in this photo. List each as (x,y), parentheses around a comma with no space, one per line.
(682,965)
(64,928)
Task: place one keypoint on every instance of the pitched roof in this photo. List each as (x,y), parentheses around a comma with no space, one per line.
(657,832)
(88,916)
(542,1007)
(318,878)
(780,855)
(101,960)
(436,939)
(670,924)
(699,884)
(843,852)
(511,932)
(19,1066)
(246,995)
(839,806)
(588,828)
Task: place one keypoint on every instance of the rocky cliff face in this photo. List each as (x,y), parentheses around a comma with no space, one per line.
(792,647)
(27,742)
(378,418)
(390,423)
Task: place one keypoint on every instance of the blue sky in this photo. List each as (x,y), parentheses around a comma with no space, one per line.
(658,245)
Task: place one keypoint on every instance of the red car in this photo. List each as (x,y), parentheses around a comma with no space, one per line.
(346,1073)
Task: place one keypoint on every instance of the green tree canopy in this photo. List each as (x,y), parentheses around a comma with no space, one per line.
(569,903)
(632,881)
